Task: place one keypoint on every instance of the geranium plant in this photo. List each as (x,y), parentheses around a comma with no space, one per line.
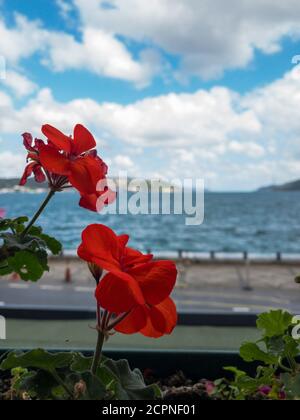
(132,289)
(277,355)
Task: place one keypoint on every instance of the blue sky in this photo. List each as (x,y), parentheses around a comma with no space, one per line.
(170,89)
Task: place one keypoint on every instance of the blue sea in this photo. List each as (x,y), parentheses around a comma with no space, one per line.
(259,223)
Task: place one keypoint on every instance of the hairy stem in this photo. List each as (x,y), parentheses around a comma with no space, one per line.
(98,352)
(117,321)
(38,213)
(283,367)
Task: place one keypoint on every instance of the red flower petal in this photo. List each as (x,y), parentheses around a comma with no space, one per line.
(156,279)
(119,294)
(39,174)
(89,202)
(123,240)
(83,140)
(98,172)
(161,320)
(60,140)
(82,175)
(53,161)
(133,258)
(100,245)
(27,173)
(97,201)
(27,141)
(134,322)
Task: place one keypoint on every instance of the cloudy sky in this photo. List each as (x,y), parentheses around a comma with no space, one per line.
(170,88)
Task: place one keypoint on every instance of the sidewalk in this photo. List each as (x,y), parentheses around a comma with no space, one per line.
(230,275)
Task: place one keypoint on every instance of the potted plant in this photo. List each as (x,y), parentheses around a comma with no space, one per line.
(132,295)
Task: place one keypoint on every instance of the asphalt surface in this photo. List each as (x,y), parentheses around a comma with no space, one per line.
(188,299)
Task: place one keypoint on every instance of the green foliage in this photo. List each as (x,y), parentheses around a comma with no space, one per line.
(291,385)
(37,359)
(43,375)
(25,254)
(129,384)
(279,375)
(251,352)
(244,387)
(274,323)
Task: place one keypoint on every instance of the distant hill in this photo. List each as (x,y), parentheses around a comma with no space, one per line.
(290,186)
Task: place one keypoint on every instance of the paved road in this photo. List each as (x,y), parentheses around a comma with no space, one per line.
(188,298)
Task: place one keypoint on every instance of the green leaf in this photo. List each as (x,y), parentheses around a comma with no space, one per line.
(35,231)
(291,347)
(131,384)
(6,269)
(52,244)
(237,373)
(291,385)
(20,220)
(13,246)
(37,359)
(275,345)
(39,385)
(43,259)
(49,242)
(81,363)
(274,323)
(27,265)
(5,224)
(250,352)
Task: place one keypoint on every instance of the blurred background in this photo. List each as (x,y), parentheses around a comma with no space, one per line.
(202,89)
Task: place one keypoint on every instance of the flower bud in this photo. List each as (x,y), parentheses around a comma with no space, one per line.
(96,271)
(79,389)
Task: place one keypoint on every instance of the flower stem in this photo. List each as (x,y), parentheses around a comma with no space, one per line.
(38,213)
(98,352)
(117,321)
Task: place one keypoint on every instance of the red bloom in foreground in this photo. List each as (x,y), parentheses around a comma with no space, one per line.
(151,321)
(135,284)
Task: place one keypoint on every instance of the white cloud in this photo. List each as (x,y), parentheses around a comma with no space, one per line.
(250,149)
(202,118)
(18,83)
(11,165)
(209,36)
(123,162)
(99,51)
(229,139)
(22,40)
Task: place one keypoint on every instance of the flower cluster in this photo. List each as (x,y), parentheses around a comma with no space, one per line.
(68,162)
(135,290)
(133,295)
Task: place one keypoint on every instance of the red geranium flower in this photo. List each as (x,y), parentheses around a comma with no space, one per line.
(65,160)
(134,279)
(74,158)
(151,321)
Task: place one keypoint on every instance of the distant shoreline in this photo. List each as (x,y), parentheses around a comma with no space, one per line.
(11,185)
